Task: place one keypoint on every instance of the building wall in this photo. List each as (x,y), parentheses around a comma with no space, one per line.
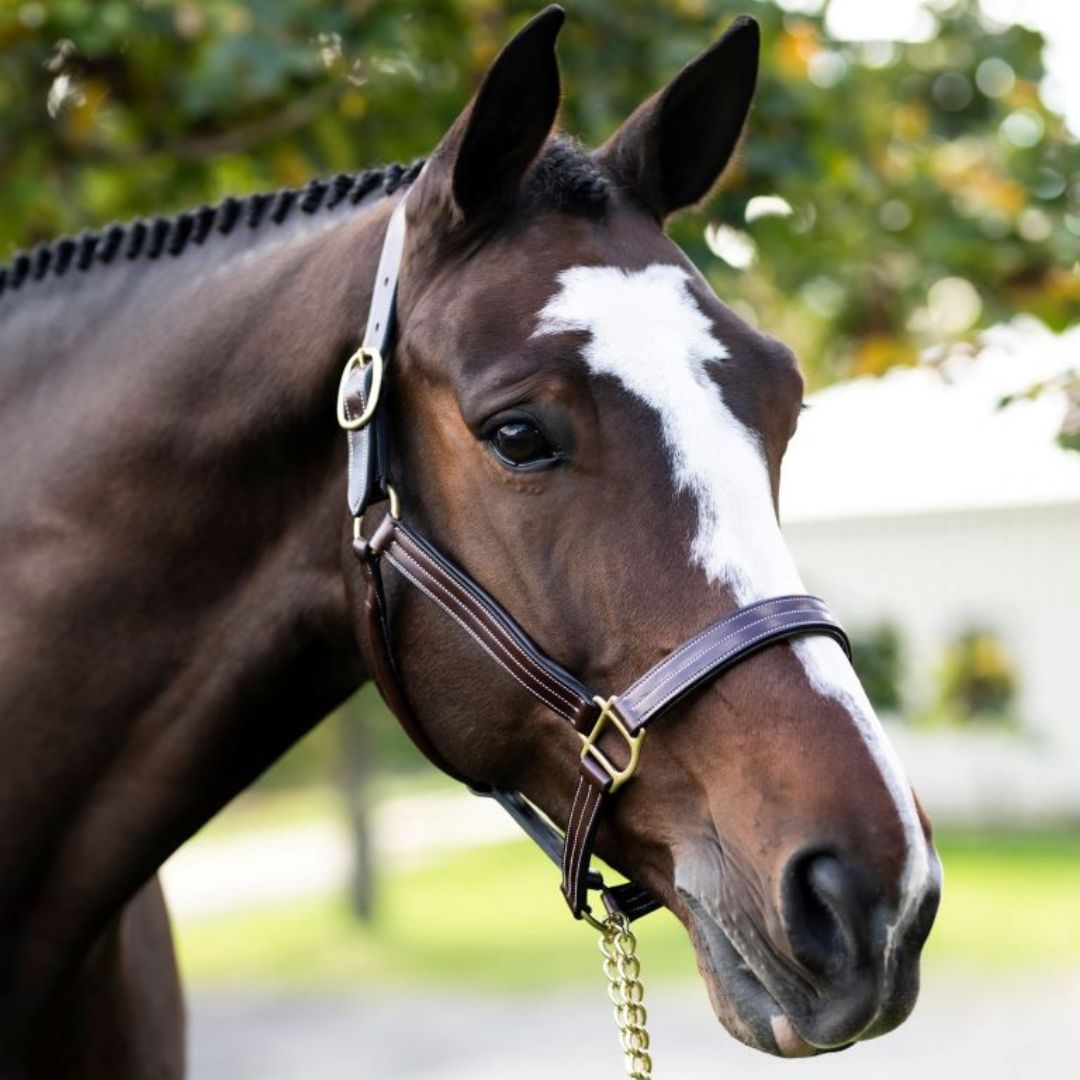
(1014,570)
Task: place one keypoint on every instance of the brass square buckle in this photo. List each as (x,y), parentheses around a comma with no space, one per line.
(362,358)
(609,712)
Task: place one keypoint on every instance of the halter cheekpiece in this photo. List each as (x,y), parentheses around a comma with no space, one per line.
(706,655)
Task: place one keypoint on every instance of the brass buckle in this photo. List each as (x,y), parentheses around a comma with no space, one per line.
(609,712)
(395,513)
(362,358)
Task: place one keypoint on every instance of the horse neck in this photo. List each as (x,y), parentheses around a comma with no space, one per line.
(172,606)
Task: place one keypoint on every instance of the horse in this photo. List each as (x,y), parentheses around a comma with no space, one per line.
(582,425)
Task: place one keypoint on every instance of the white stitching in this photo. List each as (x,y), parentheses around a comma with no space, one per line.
(734,617)
(517,655)
(583,832)
(639,905)
(691,660)
(349,444)
(468,601)
(570,829)
(580,831)
(473,606)
(464,626)
(810,618)
(803,616)
(468,630)
(707,631)
(350,437)
(693,640)
(573,831)
(556,706)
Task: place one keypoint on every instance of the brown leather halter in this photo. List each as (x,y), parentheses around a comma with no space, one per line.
(706,655)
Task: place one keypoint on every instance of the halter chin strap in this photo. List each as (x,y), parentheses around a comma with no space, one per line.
(612,728)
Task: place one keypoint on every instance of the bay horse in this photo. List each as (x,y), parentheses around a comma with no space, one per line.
(578,420)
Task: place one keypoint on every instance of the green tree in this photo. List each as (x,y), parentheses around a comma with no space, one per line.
(976,682)
(927,189)
(877,654)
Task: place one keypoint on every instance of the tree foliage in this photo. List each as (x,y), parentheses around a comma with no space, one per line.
(930,190)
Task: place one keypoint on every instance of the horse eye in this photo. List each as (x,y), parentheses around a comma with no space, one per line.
(520,444)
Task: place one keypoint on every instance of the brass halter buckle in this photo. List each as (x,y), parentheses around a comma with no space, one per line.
(363,357)
(394,511)
(609,713)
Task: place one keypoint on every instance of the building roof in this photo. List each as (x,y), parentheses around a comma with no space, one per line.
(925,439)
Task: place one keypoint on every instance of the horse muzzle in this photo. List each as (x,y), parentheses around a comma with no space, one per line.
(842,966)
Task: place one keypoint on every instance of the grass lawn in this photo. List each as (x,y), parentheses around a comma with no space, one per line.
(1011,900)
(492,918)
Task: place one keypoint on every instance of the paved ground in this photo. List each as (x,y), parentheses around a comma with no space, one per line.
(1026,1030)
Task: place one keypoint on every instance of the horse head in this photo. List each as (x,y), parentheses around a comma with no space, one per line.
(588,430)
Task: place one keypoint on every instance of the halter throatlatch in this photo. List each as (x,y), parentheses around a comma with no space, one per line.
(602,722)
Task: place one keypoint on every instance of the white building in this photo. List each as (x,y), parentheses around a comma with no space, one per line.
(915,499)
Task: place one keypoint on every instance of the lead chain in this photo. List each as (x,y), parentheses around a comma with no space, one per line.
(622,968)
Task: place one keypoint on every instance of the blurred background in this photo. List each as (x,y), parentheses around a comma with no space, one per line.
(906,214)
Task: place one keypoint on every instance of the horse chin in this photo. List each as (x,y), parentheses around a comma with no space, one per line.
(740,1000)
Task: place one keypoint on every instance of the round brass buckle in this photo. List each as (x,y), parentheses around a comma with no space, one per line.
(362,358)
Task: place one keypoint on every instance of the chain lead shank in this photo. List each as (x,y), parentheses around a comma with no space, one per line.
(622,968)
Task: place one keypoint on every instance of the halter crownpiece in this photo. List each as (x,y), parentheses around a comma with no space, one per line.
(705,656)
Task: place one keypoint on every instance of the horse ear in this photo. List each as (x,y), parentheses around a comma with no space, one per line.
(481,160)
(675,146)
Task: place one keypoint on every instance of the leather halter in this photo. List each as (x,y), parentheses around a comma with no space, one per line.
(706,655)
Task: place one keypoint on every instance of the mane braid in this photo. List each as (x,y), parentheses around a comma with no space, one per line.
(171,236)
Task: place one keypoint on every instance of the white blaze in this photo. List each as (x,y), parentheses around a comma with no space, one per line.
(647,331)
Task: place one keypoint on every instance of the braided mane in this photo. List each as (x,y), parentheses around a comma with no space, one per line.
(172,235)
(564,176)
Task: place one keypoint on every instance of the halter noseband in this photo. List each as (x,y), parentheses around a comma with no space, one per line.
(702,658)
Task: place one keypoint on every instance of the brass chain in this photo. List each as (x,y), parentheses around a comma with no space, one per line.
(622,968)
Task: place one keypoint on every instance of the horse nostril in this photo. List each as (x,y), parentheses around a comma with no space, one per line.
(826,910)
